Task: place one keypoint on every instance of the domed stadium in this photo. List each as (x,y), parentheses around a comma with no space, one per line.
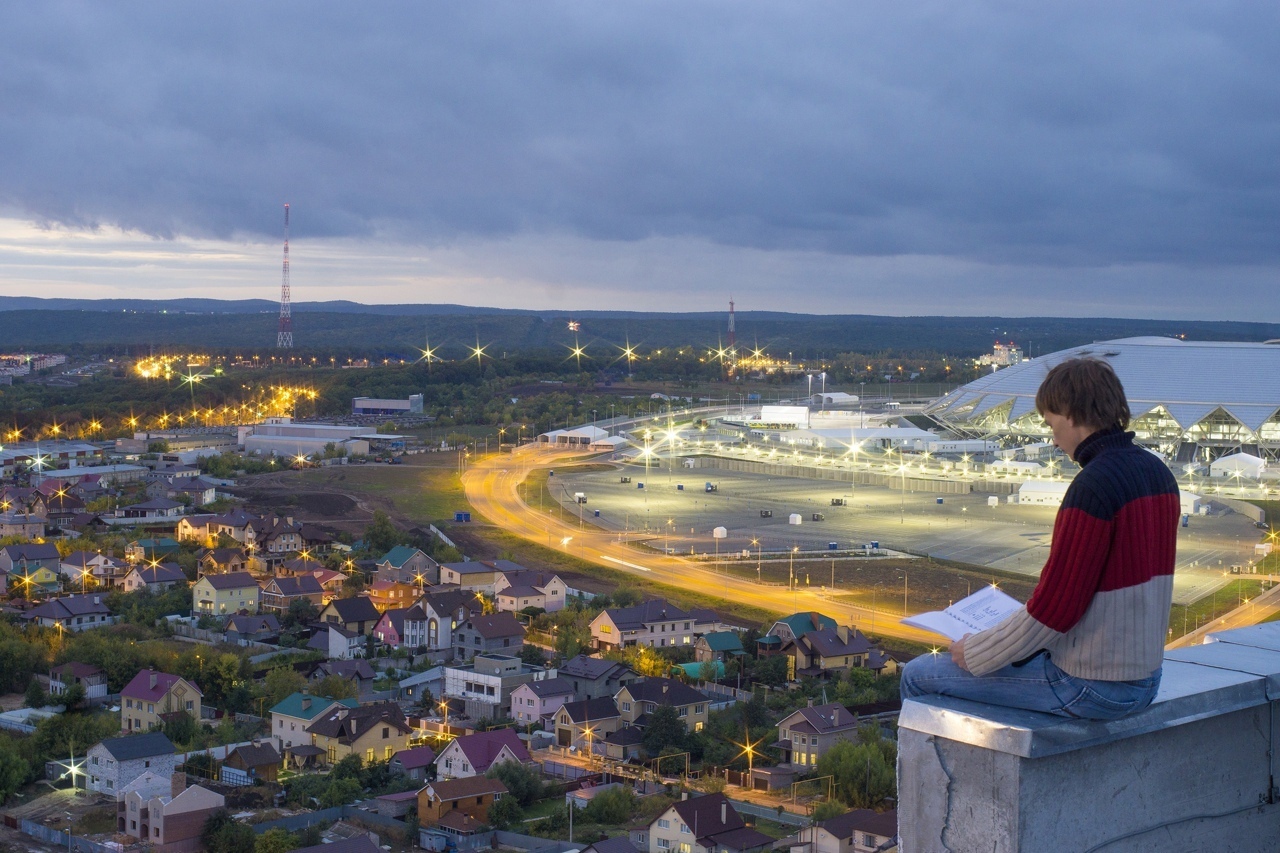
(1190,400)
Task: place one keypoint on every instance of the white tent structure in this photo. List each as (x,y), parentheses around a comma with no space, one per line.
(1238,465)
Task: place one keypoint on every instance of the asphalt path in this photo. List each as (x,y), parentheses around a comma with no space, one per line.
(491,486)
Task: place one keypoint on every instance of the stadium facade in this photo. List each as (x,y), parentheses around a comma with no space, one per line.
(1190,400)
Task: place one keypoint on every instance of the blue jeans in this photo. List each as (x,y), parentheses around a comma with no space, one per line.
(1035,685)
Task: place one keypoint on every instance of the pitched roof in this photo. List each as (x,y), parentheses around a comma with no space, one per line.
(302,565)
(550,687)
(496,625)
(703,813)
(620,844)
(419,756)
(356,844)
(301,585)
(32,551)
(663,691)
(471,786)
(446,601)
(71,605)
(358,609)
(592,669)
(77,669)
(828,642)
(638,615)
(723,641)
(291,706)
(346,725)
(802,623)
(400,555)
(743,838)
(586,710)
(150,685)
(246,624)
(395,618)
(822,719)
(261,754)
(138,746)
(482,748)
(884,824)
(231,580)
(347,669)
(163,573)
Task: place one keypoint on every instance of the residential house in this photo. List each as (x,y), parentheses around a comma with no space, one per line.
(390,628)
(155,578)
(259,760)
(475,754)
(337,642)
(73,613)
(477,575)
(655,623)
(26,526)
(291,716)
(584,724)
(413,762)
(643,697)
(471,797)
(280,592)
(115,762)
(485,683)
(87,569)
(245,628)
(406,564)
(195,528)
(148,550)
(624,744)
(196,490)
(32,568)
(223,594)
(520,590)
(92,679)
(330,582)
(273,536)
(298,567)
(538,701)
(61,507)
(374,732)
(156,509)
(827,650)
(169,822)
(857,831)
(806,734)
(358,672)
(595,678)
(790,628)
(717,647)
(151,694)
(221,561)
(705,824)
(492,633)
(430,624)
(354,614)
(620,844)
(388,595)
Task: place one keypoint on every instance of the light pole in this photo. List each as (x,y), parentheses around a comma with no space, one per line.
(756,542)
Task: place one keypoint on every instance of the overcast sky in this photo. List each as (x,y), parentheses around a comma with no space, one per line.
(872,157)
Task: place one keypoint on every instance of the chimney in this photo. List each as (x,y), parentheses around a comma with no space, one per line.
(97,599)
(684,795)
(177,784)
(810,705)
(153,678)
(306,702)
(724,812)
(843,633)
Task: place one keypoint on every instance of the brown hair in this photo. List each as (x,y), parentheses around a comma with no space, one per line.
(1087,391)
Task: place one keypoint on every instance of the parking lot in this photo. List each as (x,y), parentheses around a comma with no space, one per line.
(965,528)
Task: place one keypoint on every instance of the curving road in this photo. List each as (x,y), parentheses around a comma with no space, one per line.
(491,488)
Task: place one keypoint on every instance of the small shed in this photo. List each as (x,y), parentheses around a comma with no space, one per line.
(259,759)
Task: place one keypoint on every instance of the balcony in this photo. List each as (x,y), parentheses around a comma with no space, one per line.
(1195,771)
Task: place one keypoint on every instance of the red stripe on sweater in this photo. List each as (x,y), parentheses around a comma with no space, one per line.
(1090,555)
(1145,542)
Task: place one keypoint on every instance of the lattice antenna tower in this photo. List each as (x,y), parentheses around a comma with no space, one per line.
(284,339)
(733,340)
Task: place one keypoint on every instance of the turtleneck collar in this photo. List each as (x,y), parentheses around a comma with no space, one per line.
(1103,439)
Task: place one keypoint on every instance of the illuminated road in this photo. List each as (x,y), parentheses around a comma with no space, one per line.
(491,488)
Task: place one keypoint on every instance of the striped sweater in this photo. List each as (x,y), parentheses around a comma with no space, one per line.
(1101,608)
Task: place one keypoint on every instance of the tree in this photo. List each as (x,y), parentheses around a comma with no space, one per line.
(13,769)
(523,783)
(614,807)
(353,585)
(708,670)
(73,698)
(505,813)
(276,840)
(281,683)
(532,655)
(348,768)
(181,728)
(35,695)
(828,809)
(663,731)
(302,611)
(863,771)
(335,687)
(222,834)
(340,792)
(381,535)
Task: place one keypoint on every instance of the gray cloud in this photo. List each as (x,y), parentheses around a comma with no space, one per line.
(1048,136)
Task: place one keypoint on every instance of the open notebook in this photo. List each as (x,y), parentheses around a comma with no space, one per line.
(984,609)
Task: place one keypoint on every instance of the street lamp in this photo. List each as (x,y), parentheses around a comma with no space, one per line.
(756,542)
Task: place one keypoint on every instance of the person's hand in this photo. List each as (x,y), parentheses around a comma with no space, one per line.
(957,652)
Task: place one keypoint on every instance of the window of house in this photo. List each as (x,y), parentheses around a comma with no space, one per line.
(368,754)
(664,844)
(869,840)
(684,829)
(386,732)
(663,823)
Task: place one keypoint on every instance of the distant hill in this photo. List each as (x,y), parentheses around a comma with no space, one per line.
(398,330)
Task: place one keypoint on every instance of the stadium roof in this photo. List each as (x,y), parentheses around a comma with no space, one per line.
(1189,379)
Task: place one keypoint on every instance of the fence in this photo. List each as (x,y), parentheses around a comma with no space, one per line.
(445,539)
(772,814)
(302,821)
(58,838)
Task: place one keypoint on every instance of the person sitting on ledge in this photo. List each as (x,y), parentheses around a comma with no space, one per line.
(1090,642)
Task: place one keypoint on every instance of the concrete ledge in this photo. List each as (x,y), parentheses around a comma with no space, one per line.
(1195,771)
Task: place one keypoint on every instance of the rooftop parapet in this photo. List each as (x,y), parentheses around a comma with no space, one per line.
(1194,771)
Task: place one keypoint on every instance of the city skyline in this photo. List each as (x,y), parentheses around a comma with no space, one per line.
(1076,161)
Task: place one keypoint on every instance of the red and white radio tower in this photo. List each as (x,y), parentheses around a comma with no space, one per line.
(284,339)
